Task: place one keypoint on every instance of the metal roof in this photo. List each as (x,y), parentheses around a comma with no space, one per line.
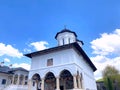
(8,70)
(65,30)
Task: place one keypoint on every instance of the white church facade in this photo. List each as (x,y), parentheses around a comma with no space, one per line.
(64,67)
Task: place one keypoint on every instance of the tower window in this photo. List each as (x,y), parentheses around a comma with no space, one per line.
(69,40)
(50,62)
(63,42)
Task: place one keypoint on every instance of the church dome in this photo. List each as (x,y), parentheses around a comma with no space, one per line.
(65,30)
(65,36)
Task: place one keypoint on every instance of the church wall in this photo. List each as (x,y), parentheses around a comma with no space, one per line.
(89,82)
(59,58)
(80,61)
(88,75)
(63,59)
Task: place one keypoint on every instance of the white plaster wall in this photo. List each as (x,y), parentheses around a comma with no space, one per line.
(64,59)
(59,58)
(21,73)
(89,82)
(81,62)
(3,76)
(88,74)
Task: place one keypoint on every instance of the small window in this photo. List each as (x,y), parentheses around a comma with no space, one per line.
(3,81)
(25,83)
(26,77)
(50,62)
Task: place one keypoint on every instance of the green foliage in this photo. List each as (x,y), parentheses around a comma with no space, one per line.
(111,76)
(100,80)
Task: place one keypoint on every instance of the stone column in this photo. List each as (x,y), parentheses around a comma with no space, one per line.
(18,80)
(42,86)
(57,83)
(23,82)
(75,82)
(13,78)
(30,84)
(79,82)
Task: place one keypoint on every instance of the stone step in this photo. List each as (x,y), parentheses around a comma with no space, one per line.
(16,87)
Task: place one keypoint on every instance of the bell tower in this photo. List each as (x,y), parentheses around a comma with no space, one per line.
(67,36)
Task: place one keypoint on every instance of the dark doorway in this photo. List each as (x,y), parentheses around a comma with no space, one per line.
(61,87)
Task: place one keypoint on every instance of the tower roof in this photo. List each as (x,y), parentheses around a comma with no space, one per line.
(65,30)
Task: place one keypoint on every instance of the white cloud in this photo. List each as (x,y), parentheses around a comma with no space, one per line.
(107,50)
(39,45)
(23,65)
(9,51)
(107,43)
(27,50)
(6,60)
(105,61)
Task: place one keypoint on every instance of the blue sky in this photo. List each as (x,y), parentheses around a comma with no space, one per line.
(30,25)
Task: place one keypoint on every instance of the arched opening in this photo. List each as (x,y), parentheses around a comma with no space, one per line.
(66,80)
(15,79)
(21,79)
(36,81)
(10,80)
(50,81)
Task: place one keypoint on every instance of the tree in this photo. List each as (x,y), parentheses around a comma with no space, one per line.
(111,77)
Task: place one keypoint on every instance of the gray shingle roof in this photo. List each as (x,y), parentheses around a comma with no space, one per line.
(5,69)
(65,30)
(8,70)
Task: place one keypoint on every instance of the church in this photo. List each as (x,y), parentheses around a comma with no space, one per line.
(64,67)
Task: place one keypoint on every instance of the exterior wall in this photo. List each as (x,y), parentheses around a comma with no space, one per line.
(59,58)
(3,76)
(88,74)
(64,59)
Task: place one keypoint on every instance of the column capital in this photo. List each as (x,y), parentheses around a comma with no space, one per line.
(74,75)
(42,78)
